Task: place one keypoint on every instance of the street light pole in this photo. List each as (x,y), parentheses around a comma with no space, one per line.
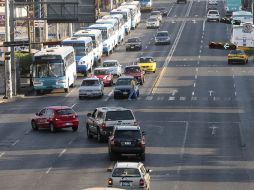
(8,77)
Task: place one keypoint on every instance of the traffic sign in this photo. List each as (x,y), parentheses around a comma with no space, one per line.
(16,43)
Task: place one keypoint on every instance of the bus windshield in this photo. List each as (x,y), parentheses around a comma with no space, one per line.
(79,48)
(48,68)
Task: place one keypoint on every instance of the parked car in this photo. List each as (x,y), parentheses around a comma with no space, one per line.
(162,37)
(114,67)
(91,87)
(136,72)
(130,175)
(163,11)
(55,117)
(213,15)
(237,56)
(147,64)
(156,14)
(152,23)
(123,87)
(104,74)
(103,119)
(126,140)
(133,44)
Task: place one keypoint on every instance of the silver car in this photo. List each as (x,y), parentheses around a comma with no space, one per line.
(130,175)
(91,87)
(114,67)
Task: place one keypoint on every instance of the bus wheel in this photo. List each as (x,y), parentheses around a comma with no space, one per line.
(107,53)
(66,90)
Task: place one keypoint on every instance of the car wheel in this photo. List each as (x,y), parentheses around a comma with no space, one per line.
(74,129)
(88,133)
(34,126)
(52,128)
(142,157)
(154,71)
(246,61)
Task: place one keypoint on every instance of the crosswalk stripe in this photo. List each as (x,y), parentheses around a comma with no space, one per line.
(182,98)
(171,98)
(149,97)
(194,98)
(160,98)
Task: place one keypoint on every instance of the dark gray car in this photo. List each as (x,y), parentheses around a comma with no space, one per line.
(162,37)
(133,44)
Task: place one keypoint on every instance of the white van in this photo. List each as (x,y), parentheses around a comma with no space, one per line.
(126,16)
(135,16)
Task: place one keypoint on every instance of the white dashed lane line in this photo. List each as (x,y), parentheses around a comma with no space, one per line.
(1,155)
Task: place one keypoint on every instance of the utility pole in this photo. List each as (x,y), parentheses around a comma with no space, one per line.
(12,36)
(8,78)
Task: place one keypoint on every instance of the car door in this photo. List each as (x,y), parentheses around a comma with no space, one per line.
(92,121)
(49,116)
(40,119)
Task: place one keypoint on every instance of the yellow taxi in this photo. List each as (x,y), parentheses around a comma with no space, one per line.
(237,56)
(147,64)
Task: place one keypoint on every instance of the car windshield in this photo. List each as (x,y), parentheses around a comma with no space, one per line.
(133,40)
(162,34)
(132,70)
(126,172)
(152,20)
(90,83)
(145,60)
(65,112)
(120,82)
(119,115)
(127,134)
(109,64)
(101,72)
(213,12)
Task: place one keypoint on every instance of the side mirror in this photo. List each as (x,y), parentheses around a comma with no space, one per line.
(149,170)
(89,115)
(37,114)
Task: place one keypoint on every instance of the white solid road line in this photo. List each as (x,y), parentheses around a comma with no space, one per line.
(73,105)
(13,144)
(48,170)
(61,153)
(1,155)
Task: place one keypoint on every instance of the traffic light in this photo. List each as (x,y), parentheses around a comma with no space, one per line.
(7,55)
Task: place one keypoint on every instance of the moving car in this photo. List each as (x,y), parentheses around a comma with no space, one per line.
(123,87)
(104,74)
(91,87)
(163,11)
(153,23)
(114,67)
(55,117)
(162,37)
(147,64)
(213,15)
(237,56)
(133,44)
(156,14)
(136,72)
(103,119)
(126,140)
(130,175)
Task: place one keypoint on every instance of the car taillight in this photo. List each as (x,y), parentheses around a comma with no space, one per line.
(75,116)
(103,125)
(135,123)
(110,181)
(141,182)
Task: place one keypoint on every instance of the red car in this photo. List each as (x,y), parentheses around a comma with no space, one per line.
(136,72)
(104,75)
(55,117)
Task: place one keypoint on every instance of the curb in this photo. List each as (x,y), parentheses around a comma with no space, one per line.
(13,99)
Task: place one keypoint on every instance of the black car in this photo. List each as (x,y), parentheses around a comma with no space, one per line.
(126,140)
(163,11)
(123,87)
(133,44)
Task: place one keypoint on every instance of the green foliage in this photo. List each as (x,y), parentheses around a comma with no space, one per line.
(249,52)
(25,60)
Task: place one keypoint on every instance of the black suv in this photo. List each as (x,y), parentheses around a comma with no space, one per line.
(126,140)
(133,44)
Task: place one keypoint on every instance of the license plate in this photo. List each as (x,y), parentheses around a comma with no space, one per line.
(125,93)
(125,183)
(132,47)
(126,143)
(68,123)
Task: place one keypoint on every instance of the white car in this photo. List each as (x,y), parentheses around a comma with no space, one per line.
(130,175)
(156,14)
(113,66)
(91,87)
(212,2)
(213,15)
(153,23)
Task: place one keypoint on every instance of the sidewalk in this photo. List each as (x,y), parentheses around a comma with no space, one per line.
(21,94)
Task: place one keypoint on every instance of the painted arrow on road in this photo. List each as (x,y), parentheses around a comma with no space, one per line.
(226,46)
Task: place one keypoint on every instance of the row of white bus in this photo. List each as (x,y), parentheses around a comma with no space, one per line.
(57,67)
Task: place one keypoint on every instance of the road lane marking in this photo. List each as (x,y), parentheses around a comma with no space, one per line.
(73,105)
(61,153)
(182,98)
(213,130)
(48,170)
(109,95)
(1,155)
(149,97)
(13,144)
(171,98)
(193,93)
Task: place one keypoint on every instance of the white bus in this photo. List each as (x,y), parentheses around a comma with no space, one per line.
(135,15)
(83,47)
(115,24)
(97,41)
(126,16)
(243,16)
(138,8)
(121,28)
(54,68)
(108,36)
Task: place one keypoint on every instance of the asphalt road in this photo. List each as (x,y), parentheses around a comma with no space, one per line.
(196,110)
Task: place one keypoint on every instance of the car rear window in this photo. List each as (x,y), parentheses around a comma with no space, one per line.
(126,172)
(213,12)
(133,40)
(90,83)
(101,72)
(119,115)
(162,34)
(109,64)
(65,112)
(152,20)
(132,70)
(123,82)
(127,134)
(145,60)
